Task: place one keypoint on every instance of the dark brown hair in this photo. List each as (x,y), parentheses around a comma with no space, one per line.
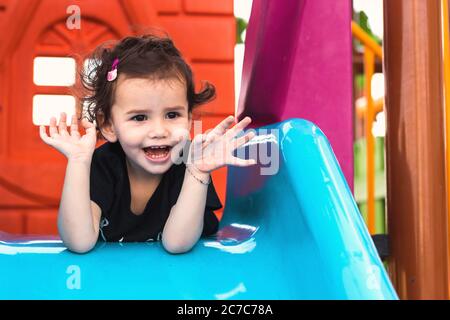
(146,56)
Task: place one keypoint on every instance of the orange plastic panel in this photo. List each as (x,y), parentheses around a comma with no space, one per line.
(219,74)
(208,6)
(12,221)
(41,222)
(167,6)
(208,38)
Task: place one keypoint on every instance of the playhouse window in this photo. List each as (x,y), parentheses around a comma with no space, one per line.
(46,106)
(54,71)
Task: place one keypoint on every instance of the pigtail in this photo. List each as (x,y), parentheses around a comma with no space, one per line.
(206,94)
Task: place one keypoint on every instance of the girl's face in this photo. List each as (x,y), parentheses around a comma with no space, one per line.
(148,118)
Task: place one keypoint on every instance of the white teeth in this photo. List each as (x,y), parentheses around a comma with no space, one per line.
(158,156)
(163,152)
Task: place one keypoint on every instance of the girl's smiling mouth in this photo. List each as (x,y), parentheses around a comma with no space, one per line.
(159,153)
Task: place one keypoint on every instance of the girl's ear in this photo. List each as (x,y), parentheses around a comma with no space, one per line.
(107,129)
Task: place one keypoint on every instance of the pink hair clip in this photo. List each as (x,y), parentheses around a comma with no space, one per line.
(112,75)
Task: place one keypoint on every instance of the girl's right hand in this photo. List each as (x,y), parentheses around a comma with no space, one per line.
(72,145)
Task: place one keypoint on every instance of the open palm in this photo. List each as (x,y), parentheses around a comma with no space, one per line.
(72,145)
(213,150)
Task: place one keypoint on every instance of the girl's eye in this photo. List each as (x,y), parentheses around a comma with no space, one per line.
(173,115)
(139,117)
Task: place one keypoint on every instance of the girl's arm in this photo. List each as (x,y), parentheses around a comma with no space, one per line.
(185,223)
(75,215)
(207,152)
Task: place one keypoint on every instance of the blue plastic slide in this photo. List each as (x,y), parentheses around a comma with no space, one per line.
(291,230)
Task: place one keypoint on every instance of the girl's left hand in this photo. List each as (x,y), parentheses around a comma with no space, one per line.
(213,150)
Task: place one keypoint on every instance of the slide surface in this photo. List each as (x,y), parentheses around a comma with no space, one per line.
(290,230)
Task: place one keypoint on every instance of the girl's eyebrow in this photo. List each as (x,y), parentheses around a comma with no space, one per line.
(137,111)
(174,108)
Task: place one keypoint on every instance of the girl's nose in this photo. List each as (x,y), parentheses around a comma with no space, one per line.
(157,130)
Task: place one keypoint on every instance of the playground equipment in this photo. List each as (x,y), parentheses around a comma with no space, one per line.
(416,144)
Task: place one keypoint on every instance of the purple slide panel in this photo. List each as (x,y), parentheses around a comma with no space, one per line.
(298,64)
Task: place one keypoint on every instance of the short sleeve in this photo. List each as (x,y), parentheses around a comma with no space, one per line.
(210,222)
(101,183)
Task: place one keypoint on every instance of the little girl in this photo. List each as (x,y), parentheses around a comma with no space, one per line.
(134,187)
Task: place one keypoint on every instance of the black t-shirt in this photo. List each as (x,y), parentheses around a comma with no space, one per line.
(110,190)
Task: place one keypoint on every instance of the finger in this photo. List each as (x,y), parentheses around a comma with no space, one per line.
(223,125)
(53,130)
(88,126)
(63,124)
(199,140)
(43,135)
(74,126)
(238,127)
(220,129)
(242,162)
(244,139)
(210,137)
